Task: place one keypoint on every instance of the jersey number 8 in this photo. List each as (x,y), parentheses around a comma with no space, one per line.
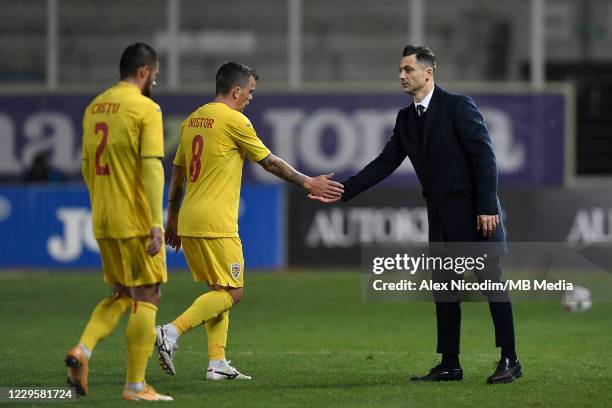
(197,147)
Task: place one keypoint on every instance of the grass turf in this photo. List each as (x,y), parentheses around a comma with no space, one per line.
(308,340)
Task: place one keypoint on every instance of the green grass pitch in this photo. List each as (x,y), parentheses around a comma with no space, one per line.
(308,340)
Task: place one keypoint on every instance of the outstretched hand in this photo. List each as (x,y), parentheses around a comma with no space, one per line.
(323,199)
(323,189)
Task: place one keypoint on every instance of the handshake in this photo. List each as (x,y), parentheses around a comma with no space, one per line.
(323,188)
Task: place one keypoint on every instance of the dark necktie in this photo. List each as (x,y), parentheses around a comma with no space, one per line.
(421,122)
(421,110)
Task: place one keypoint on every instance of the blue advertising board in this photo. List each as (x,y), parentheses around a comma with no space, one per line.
(317,133)
(50,227)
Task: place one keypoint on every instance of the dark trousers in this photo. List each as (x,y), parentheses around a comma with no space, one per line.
(448,310)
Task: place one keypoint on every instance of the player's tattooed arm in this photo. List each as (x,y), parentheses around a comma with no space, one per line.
(281,169)
(320,186)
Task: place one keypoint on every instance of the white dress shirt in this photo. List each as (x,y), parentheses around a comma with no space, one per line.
(425,101)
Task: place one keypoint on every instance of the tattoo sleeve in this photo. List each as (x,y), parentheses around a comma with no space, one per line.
(280,168)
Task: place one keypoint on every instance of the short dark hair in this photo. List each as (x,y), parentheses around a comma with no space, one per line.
(134,57)
(233,74)
(424,55)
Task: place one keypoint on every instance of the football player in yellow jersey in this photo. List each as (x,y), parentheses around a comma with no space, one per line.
(214,141)
(123,144)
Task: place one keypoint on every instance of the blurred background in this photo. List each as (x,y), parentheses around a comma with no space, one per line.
(328,95)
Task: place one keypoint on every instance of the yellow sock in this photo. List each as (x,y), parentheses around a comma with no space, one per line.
(140,334)
(104,319)
(206,307)
(216,331)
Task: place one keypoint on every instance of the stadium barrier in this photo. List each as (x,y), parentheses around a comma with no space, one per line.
(316,132)
(49,226)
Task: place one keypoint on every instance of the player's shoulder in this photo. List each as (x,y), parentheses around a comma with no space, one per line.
(147,103)
(220,113)
(129,94)
(201,110)
(231,118)
(225,111)
(239,119)
(96,105)
(99,98)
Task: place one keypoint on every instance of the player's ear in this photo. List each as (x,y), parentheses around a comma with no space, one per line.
(235,92)
(143,72)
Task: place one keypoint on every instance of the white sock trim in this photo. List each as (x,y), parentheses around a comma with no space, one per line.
(136,387)
(218,364)
(86,351)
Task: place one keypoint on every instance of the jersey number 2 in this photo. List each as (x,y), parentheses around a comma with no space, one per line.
(197,147)
(101,170)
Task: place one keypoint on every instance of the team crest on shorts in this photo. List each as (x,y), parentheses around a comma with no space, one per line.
(235,269)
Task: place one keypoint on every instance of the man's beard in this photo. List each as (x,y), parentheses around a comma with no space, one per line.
(147,88)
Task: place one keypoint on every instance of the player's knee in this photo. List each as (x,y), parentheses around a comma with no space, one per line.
(154,298)
(236,294)
(119,290)
(147,293)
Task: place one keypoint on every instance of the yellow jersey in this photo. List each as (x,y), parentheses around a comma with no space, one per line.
(212,145)
(120,128)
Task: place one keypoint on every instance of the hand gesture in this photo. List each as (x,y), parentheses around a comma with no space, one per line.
(172,237)
(322,188)
(488,224)
(323,199)
(156,241)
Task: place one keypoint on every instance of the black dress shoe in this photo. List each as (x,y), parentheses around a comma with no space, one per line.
(506,372)
(441,373)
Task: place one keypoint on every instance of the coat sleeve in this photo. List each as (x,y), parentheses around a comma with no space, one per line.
(476,142)
(378,169)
